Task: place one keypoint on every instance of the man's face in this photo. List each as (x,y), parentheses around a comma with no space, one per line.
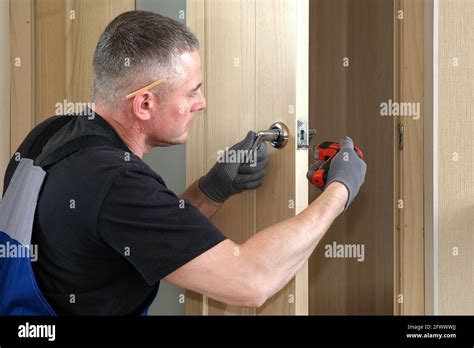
(173,117)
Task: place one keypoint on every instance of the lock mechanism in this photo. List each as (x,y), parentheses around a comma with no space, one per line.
(304,135)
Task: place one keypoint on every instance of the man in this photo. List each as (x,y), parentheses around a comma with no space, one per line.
(107,228)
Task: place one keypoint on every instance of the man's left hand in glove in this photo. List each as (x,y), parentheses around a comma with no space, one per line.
(236,171)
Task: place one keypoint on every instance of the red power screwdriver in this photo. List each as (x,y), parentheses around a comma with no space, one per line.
(317,173)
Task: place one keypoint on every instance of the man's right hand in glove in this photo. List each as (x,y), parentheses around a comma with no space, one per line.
(347,168)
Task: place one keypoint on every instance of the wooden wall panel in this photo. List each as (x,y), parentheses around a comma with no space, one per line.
(82,36)
(346,101)
(50,59)
(66,33)
(5,74)
(22,70)
(50,56)
(249,55)
(456,157)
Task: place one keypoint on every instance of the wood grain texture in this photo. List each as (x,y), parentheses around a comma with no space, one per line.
(276,91)
(50,56)
(328,37)
(249,50)
(429,159)
(66,35)
(456,177)
(5,67)
(22,71)
(230,48)
(82,36)
(409,178)
(346,101)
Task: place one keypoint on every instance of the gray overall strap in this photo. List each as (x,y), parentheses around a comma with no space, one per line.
(48,159)
(34,143)
(17,208)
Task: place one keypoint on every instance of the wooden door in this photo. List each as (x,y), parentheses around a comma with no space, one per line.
(351,73)
(364,54)
(255,61)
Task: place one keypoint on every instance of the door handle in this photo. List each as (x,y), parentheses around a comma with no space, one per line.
(277,135)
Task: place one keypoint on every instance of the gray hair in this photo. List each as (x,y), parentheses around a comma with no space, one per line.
(135,49)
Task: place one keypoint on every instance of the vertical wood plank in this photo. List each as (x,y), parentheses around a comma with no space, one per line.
(276,91)
(230,50)
(5,66)
(82,36)
(22,70)
(409,76)
(456,177)
(370,219)
(66,35)
(430,150)
(327,105)
(50,56)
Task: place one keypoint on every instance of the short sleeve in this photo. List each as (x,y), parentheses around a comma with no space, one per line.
(151,227)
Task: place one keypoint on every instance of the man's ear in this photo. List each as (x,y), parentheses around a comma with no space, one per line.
(143,104)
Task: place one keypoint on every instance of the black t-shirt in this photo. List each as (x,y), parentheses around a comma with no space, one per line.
(107,227)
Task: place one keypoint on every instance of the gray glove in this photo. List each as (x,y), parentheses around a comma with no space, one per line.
(225,178)
(347,168)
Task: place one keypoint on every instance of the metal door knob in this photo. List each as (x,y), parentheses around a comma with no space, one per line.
(277,135)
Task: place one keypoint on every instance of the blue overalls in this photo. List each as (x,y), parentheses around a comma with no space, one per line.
(19,291)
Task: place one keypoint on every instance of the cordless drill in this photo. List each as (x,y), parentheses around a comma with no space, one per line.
(317,173)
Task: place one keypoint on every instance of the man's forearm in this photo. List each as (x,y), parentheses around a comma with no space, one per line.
(280,250)
(205,205)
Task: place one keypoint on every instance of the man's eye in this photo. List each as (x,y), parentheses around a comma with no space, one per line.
(192,94)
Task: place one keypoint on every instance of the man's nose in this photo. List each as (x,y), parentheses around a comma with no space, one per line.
(202,103)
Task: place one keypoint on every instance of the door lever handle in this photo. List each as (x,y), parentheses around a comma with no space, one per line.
(277,135)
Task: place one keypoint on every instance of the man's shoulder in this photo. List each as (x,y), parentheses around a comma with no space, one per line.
(111,153)
(111,161)
(105,156)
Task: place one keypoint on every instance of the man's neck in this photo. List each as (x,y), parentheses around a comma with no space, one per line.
(130,135)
